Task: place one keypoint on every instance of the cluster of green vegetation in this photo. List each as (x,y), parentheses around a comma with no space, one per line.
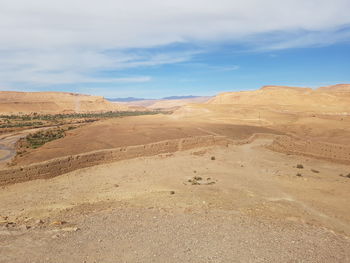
(40,138)
(15,122)
(49,117)
(22,124)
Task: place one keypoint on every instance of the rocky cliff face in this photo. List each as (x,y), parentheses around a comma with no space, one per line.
(54,102)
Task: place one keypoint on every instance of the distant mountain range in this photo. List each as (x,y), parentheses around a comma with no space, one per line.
(129,99)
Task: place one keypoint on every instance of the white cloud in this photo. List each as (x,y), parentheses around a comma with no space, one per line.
(67,66)
(44,41)
(139,23)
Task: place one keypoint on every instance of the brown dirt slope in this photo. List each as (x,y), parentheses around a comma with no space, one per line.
(129,131)
(53,102)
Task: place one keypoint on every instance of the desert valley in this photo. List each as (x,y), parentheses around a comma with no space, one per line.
(249,176)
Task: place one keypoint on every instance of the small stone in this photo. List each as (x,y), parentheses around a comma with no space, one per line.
(24,227)
(58,223)
(212,158)
(71,229)
(39,222)
(172,192)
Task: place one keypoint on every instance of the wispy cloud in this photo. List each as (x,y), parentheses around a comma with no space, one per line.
(67,66)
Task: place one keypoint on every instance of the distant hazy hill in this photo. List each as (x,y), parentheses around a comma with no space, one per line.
(167,103)
(130,99)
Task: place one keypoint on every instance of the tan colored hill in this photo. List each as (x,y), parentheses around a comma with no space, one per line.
(336,88)
(323,100)
(322,114)
(54,102)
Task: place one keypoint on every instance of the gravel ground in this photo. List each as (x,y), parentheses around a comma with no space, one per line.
(153,235)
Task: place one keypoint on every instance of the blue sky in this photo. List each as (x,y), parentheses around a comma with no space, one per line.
(156,48)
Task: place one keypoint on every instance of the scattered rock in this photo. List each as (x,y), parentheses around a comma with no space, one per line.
(39,222)
(3,222)
(300,166)
(212,158)
(200,153)
(10,224)
(25,227)
(70,229)
(58,223)
(27,219)
(172,192)
(194,182)
(315,171)
(197,180)
(299,174)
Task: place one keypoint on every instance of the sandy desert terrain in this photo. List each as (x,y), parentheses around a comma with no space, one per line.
(274,186)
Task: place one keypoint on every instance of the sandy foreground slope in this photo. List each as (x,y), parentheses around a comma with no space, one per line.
(249,207)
